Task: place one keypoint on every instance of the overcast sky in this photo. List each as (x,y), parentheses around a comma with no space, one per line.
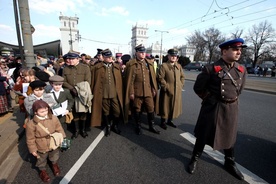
(102,22)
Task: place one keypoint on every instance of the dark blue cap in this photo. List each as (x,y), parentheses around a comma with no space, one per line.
(72,54)
(107,53)
(238,42)
(140,48)
(173,52)
(64,56)
(99,51)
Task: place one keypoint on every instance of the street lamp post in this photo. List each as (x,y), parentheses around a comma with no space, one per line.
(160,60)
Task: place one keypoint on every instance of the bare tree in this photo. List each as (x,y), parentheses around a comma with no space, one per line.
(213,38)
(237,33)
(198,41)
(261,37)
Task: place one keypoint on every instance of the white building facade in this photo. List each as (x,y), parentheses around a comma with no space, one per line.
(69,33)
(187,51)
(139,36)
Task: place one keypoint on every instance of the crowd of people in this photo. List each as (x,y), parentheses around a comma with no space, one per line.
(107,91)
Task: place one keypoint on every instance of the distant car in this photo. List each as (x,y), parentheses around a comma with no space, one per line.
(193,66)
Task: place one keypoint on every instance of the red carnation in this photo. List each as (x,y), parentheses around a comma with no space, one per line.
(217,68)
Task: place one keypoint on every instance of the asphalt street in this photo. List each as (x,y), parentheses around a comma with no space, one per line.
(151,158)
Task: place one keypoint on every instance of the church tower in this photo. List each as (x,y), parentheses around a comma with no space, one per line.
(139,36)
(69,33)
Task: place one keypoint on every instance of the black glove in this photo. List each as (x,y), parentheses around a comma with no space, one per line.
(74,92)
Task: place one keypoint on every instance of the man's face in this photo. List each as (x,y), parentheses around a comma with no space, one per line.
(100,57)
(172,59)
(232,54)
(107,59)
(73,61)
(141,55)
(119,59)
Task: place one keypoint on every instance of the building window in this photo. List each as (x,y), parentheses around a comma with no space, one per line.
(64,24)
(73,24)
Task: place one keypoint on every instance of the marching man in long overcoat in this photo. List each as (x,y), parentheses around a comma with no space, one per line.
(219,86)
(107,88)
(141,89)
(171,79)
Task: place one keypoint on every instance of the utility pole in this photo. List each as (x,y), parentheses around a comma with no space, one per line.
(15,8)
(26,33)
(160,61)
(71,40)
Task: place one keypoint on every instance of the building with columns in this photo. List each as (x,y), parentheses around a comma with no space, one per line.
(69,33)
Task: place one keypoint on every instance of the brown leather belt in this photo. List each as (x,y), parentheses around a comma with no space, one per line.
(229,100)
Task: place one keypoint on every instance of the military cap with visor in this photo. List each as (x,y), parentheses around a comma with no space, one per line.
(235,43)
(99,51)
(173,52)
(140,48)
(73,55)
(107,53)
(118,55)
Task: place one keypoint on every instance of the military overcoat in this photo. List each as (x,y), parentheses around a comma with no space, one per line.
(130,74)
(97,86)
(171,79)
(76,74)
(218,117)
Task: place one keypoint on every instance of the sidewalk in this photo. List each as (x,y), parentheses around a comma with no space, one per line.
(13,151)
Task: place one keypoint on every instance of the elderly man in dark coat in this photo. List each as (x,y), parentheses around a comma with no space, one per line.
(171,79)
(219,86)
(107,88)
(141,89)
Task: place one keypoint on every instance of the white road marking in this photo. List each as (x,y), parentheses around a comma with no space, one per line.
(71,173)
(218,156)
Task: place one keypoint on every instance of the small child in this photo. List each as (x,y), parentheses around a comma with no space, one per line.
(38,140)
(37,94)
(60,95)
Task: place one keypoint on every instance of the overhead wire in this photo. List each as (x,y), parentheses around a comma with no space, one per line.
(216,11)
(171,38)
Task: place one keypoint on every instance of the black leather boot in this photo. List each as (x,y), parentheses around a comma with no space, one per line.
(230,164)
(198,149)
(76,130)
(152,127)
(108,125)
(138,128)
(82,128)
(163,123)
(170,123)
(115,127)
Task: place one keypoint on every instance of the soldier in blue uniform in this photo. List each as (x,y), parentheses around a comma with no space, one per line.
(219,86)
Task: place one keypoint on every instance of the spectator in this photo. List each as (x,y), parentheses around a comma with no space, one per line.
(265,71)
(3,95)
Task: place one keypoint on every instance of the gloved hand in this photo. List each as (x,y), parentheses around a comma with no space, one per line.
(74,92)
